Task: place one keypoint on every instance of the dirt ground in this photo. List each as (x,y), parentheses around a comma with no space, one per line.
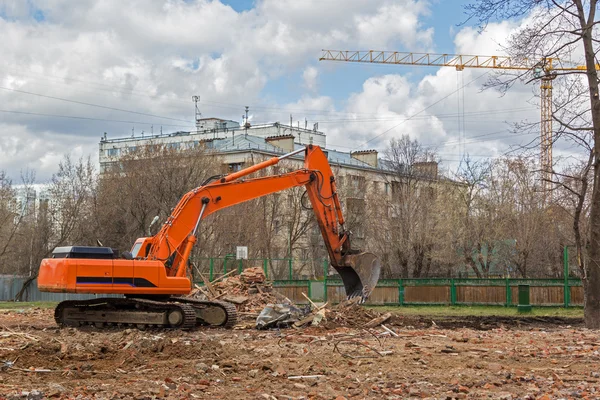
(471,357)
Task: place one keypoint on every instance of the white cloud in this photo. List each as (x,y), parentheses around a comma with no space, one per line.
(152,56)
(309,76)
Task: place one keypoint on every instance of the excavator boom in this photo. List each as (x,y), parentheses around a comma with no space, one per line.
(158,265)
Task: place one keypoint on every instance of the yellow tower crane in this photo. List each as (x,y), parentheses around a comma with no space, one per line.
(543,69)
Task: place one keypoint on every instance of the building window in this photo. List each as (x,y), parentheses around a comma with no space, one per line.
(235,167)
(174,146)
(357,182)
(113,152)
(355,206)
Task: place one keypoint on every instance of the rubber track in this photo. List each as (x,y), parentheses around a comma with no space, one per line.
(230,310)
(188,311)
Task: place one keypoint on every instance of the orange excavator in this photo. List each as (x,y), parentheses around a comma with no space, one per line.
(153,278)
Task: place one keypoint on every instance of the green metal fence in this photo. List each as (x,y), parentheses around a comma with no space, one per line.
(274,268)
(293,277)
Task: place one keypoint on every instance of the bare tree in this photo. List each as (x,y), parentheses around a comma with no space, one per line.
(408,220)
(10,219)
(561,29)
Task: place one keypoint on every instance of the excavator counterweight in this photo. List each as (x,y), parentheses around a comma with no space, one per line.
(154,276)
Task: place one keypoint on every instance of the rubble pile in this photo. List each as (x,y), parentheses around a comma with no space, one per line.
(350,313)
(249,291)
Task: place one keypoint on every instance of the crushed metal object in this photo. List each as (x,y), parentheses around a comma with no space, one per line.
(280,316)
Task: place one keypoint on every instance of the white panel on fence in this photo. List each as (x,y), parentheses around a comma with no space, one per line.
(241,252)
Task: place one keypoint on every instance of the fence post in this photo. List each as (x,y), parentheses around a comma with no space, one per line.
(452,292)
(325,274)
(508,293)
(240,266)
(266,268)
(290,273)
(211,264)
(566,290)
(400,292)
(310,289)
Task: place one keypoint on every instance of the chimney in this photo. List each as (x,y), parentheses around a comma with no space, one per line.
(367,156)
(427,169)
(284,142)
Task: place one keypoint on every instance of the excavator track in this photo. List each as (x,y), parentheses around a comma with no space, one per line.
(213,313)
(172,313)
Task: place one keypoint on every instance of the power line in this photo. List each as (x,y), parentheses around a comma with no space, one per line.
(92,105)
(438,116)
(90,118)
(214,104)
(425,109)
(209,103)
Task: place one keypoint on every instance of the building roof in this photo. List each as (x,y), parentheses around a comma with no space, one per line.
(248,142)
(241,141)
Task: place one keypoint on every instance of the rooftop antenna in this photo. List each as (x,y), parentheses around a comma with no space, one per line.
(246,124)
(290,120)
(132,131)
(305,122)
(152,129)
(197,113)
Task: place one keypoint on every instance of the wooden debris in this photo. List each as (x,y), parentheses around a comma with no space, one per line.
(309,300)
(378,321)
(389,330)
(223,276)
(236,299)
(305,321)
(305,377)
(209,286)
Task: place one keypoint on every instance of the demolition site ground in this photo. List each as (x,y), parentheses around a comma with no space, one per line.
(408,356)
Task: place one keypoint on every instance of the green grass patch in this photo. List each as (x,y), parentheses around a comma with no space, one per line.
(451,311)
(12,305)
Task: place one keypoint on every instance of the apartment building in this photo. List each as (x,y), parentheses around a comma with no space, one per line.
(358,173)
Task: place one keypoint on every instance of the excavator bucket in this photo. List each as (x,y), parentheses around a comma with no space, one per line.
(360,274)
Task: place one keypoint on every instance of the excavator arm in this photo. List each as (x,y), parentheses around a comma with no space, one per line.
(176,238)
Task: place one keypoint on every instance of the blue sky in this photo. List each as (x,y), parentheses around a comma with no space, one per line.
(445,17)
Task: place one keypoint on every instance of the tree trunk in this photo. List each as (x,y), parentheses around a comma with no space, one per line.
(592,280)
(19,295)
